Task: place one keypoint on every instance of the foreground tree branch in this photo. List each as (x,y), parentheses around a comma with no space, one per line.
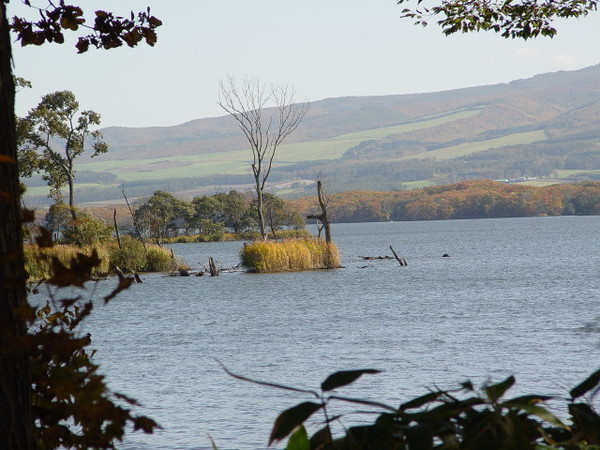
(512,19)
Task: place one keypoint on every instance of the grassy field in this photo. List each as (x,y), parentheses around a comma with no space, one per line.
(473,147)
(571,173)
(237,162)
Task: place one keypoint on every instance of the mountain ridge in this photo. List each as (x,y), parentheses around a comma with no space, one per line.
(544,126)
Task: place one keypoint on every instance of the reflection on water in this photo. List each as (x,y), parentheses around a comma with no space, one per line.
(514,297)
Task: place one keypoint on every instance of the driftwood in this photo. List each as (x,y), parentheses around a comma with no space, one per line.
(136,277)
(401,261)
(370,258)
(212,267)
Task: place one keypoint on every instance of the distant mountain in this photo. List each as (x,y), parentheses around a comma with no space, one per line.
(547,126)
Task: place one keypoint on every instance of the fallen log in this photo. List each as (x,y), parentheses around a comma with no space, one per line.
(370,258)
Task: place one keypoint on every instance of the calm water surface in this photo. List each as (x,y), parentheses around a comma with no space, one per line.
(516,296)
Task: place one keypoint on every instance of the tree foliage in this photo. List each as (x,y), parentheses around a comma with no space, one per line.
(156,215)
(466,418)
(465,200)
(17,421)
(72,405)
(58,121)
(512,19)
(108,30)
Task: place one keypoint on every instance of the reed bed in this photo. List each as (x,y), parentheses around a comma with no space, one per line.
(131,257)
(290,255)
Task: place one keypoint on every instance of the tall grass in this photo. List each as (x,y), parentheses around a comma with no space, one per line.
(289,255)
(38,260)
(131,257)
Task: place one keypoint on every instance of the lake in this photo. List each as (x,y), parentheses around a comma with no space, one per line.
(516,296)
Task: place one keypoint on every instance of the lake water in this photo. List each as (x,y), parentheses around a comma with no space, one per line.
(516,296)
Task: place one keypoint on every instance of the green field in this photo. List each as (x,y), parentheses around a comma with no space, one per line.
(237,162)
(472,147)
(572,173)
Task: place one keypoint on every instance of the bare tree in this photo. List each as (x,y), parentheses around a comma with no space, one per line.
(265,128)
(322,218)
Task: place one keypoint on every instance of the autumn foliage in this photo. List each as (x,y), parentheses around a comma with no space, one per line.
(464,200)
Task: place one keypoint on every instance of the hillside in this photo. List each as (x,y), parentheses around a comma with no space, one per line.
(546,126)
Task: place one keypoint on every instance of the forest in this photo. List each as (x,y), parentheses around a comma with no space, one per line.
(465,200)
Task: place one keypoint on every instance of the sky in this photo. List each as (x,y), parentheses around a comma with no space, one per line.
(325,49)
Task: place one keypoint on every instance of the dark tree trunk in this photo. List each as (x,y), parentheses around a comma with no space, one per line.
(16,417)
(259,208)
(71,182)
(323,216)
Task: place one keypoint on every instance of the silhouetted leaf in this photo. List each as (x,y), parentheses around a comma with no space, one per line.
(44,238)
(343,378)
(266,383)
(363,402)
(298,440)
(124,283)
(495,391)
(291,418)
(587,421)
(77,274)
(449,409)
(419,437)
(144,423)
(321,438)
(420,401)
(588,384)
(467,385)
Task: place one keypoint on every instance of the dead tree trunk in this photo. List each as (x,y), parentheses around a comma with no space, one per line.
(401,261)
(212,267)
(135,223)
(117,228)
(323,216)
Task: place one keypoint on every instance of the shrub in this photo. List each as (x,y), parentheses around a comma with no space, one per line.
(289,255)
(130,257)
(87,231)
(159,259)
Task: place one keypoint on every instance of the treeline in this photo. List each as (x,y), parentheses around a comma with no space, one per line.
(464,200)
(163,215)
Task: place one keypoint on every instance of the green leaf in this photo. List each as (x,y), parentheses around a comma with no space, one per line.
(496,391)
(589,383)
(542,413)
(344,377)
(291,418)
(527,400)
(299,440)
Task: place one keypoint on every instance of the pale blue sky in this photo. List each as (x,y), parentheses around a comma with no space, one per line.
(329,48)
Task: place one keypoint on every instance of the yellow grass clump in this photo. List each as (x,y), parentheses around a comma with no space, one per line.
(132,257)
(38,260)
(289,255)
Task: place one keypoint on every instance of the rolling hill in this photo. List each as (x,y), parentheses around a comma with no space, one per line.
(547,126)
